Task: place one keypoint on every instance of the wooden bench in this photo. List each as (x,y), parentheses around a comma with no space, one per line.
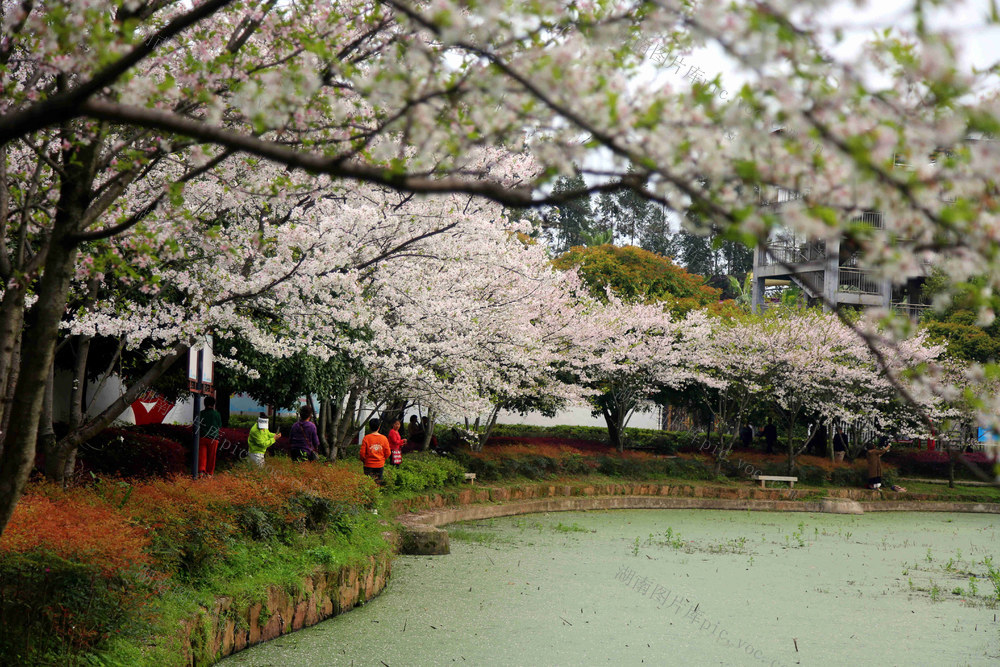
(470,477)
(775,478)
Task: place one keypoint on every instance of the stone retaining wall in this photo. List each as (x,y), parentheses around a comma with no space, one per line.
(229,627)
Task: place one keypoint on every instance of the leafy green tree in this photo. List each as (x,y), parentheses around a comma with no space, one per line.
(574,218)
(634,274)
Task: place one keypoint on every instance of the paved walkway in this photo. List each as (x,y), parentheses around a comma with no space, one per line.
(958,482)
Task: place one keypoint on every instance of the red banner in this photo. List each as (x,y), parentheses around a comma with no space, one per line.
(151,408)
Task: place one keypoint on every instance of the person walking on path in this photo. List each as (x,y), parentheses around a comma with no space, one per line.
(746,436)
(209,424)
(374,450)
(874,455)
(396,444)
(260,439)
(303,437)
(770,436)
(839,446)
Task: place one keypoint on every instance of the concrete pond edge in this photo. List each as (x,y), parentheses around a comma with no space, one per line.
(420,532)
(229,627)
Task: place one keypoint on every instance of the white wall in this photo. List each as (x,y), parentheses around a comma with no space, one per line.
(108,394)
(579,416)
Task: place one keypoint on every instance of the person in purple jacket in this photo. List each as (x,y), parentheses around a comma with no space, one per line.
(303,438)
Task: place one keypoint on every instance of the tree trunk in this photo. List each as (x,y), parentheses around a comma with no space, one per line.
(951,466)
(55,466)
(38,349)
(484,436)
(722,448)
(333,426)
(11,319)
(347,419)
(79,390)
(791,447)
(321,426)
(429,435)
(223,393)
(613,419)
(7,392)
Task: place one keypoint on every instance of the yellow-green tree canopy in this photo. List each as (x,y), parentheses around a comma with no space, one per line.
(634,274)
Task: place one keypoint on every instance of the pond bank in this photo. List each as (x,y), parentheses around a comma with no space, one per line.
(420,535)
(679,586)
(228,628)
(223,630)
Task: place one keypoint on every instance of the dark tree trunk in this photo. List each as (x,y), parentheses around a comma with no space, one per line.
(55,465)
(223,394)
(11,319)
(791,447)
(38,350)
(484,436)
(952,455)
(614,419)
(429,434)
(322,425)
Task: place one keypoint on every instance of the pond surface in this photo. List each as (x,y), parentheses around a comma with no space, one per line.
(691,587)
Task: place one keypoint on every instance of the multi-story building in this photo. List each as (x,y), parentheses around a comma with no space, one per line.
(827,272)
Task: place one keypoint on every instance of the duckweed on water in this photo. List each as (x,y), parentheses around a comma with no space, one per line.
(734,594)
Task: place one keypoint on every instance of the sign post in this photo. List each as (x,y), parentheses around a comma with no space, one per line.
(201,364)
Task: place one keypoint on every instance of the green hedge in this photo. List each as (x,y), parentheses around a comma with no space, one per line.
(537,467)
(423,471)
(636,439)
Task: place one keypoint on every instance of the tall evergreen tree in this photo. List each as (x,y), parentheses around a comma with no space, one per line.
(695,253)
(575,218)
(655,235)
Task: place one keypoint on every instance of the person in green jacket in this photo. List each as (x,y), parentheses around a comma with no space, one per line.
(260,439)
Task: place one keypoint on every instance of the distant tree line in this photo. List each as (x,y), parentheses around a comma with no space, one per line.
(622,217)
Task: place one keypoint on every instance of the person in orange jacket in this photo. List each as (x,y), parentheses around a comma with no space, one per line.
(374,451)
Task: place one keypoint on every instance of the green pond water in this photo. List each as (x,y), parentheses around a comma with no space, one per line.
(689,587)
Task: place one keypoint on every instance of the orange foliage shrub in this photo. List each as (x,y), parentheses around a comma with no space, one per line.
(76,526)
(112,529)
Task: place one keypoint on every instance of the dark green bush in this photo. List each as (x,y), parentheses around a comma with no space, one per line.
(849,477)
(811,475)
(577,464)
(256,523)
(54,611)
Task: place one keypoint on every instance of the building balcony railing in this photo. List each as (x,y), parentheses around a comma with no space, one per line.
(777,195)
(792,253)
(873,218)
(914,310)
(858,281)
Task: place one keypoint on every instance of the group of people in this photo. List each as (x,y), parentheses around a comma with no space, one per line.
(377,450)
(768,432)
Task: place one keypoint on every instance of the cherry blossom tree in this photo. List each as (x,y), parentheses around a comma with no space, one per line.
(97,96)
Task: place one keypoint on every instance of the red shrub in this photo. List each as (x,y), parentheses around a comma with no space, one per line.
(130,452)
(75,525)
